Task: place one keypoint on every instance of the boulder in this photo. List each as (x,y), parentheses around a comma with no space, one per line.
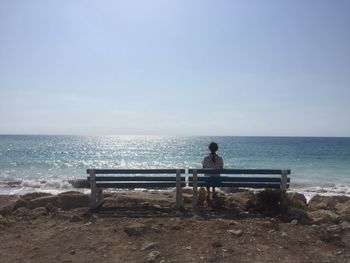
(343,209)
(71,193)
(20,203)
(202,195)
(323,216)
(187,198)
(297,200)
(71,201)
(135,229)
(235,232)
(327,202)
(244,200)
(345,225)
(148,245)
(65,202)
(298,214)
(7,203)
(153,256)
(34,195)
(39,211)
(7,209)
(23,212)
(44,201)
(187,191)
(330,233)
(3,220)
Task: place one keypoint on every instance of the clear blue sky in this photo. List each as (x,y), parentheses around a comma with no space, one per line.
(175,67)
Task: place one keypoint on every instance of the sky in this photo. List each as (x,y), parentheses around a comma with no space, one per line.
(158,67)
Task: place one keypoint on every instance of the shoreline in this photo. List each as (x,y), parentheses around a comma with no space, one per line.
(143,226)
(57,186)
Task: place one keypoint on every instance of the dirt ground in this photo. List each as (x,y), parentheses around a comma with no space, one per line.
(145,227)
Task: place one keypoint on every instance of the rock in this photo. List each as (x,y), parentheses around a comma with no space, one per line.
(345,225)
(327,202)
(218,201)
(75,218)
(217,243)
(34,195)
(7,209)
(39,211)
(135,229)
(153,256)
(294,222)
(43,201)
(323,216)
(297,200)
(51,208)
(244,200)
(179,214)
(20,203)
(4,221)
(71,193)
(156,206)
(284,234)
(343,209)
(187,191)
(202,195)
(22,213)
(187,198)
(330,233)
(65,202)
(237,233)
(156,229)
(298,214)
(149,245)
(71,201)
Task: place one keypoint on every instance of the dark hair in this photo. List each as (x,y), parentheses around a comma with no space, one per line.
(213,147)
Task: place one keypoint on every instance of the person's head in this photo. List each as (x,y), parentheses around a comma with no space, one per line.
(213,147)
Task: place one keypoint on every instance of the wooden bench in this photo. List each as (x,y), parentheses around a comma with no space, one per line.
(126,179)
(245,178)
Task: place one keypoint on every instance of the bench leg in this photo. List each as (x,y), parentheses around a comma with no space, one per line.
(93,197)
(195,188)
(96,198)
(179,204)
(284,178)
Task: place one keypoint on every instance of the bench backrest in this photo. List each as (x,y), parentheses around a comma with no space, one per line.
(252,178)
(133,178)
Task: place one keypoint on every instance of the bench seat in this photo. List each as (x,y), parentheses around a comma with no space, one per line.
(239,178)
(131,179)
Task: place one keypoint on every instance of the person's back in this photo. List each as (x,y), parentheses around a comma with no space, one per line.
(213,161)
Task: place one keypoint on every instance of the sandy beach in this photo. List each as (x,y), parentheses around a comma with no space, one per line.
(143,226)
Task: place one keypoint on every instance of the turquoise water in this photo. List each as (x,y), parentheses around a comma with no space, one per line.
(47,162)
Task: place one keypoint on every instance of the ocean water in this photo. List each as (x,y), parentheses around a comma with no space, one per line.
(47,163)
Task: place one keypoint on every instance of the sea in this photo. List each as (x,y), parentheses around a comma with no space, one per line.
(50,163)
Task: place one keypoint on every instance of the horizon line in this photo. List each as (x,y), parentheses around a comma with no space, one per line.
(168,135)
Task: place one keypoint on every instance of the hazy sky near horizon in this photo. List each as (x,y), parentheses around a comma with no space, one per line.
(175,67)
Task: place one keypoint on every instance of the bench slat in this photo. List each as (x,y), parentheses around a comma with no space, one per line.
(137,185)
(136,178)
(238,179)
(135,171)
(238,171)
(245,185)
